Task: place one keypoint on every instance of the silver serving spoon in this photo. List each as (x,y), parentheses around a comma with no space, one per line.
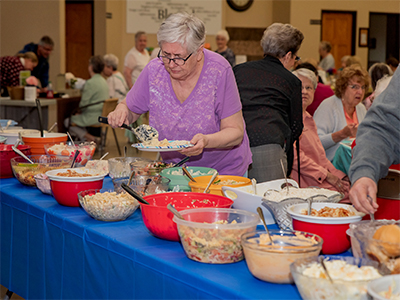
(211,181)
(101,158)
(174,211)
(52,127)
(261,214)
(321,261)
(22,154)
(254,184)
(8,124)
(284,174)
(372,217)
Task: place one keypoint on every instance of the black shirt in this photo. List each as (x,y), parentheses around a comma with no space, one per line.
(272,104)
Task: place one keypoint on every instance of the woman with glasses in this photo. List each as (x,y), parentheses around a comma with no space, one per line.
(190,94)
(315,168)
(337,117)
(271,99)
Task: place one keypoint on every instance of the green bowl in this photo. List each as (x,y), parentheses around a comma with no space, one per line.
(178,178)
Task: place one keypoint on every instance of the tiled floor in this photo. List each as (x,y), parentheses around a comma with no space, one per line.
(111,148)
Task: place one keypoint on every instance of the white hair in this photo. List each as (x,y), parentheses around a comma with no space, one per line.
(183,28)
(307,74)
(224,34)
(382,84)
(111,60)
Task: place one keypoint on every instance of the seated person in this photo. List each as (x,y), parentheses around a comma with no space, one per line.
(315,168)
(328,61)
(117,86)
(337,117)
(95,90)
(222,40)
(322,91)
(376,72)
(10,66)
(393,63)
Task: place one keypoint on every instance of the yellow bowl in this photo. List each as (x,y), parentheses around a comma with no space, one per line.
(221,180)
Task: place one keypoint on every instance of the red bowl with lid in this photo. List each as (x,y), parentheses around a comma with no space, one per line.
(6,153)
(158,219)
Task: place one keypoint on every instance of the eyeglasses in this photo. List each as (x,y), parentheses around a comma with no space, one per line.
(357,87)
(177,60)
(307,88)
(297,58)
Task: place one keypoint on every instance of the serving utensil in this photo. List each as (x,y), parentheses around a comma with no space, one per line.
(22,154)
(52,127)
(146,185)
(39,109)
(254,184)
(181,162)
(174,211)
(372,216)
(187,173)
(134,194)
(75,157)
(125,150)
(8,124)
(101,158)
(211,181)
(284,174)
(261,214)
(144,133)
(321,261)
(131,177)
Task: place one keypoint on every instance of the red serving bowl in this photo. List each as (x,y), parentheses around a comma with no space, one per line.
(158,219)
(6,153)
(65,189)
(332,230)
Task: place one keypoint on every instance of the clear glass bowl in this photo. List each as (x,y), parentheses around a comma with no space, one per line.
(156,185)
(107,206)
(121,166)
(86,151)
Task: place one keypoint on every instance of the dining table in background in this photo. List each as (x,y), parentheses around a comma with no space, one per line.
(50,251)
(25,112)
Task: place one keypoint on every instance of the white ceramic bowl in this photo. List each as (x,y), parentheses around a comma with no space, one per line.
(382,285)
(244,197)
(13,134)
(94,175)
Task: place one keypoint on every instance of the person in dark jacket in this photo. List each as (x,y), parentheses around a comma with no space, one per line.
(42,50)
(272,104)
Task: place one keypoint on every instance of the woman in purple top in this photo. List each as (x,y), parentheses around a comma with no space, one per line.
(191,94)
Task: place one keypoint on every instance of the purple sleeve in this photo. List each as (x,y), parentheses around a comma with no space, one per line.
(228,99)
(138,98)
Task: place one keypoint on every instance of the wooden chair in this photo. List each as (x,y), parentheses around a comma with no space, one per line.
(108,106)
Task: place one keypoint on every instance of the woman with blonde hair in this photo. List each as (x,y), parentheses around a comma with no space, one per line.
(337,117)
(222,40)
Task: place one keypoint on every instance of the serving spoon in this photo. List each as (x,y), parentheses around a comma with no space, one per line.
(211,181)
(284,174)
(134,194)
(187,173)
(261,214)
(172,209)
(22,154)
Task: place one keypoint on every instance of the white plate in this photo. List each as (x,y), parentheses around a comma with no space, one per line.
(161,149)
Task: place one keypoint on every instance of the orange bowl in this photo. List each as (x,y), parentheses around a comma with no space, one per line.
(37,142)
(221,180)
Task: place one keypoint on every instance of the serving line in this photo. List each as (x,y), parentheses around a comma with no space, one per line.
(49,251)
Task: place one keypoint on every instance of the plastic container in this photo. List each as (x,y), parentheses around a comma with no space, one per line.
(107,206)
(37,142)
(212,235)
(156,185)
(202,181)
(86,151)
(65,189)
(388,284)
(158,219)
(177,177)
(25,171)
(244,197)
(325,227)
(6,154)
(311,288)
(13,134)
(272,263)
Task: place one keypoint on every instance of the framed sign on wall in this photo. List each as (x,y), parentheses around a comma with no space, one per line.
(363,35)
(148,15)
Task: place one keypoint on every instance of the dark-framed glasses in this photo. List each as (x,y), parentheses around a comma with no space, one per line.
(297,58)
(177,60)
(356,87)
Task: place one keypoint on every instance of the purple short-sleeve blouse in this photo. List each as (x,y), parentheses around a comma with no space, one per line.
(214,98)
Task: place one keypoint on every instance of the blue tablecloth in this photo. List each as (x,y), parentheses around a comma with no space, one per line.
(49,251)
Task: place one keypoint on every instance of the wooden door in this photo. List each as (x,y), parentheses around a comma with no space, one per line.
(79,37)
(338,28)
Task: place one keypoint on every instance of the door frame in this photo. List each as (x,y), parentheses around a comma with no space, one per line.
(353,26)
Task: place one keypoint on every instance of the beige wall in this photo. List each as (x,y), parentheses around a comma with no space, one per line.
(27,21)
(304,10)
(22,22)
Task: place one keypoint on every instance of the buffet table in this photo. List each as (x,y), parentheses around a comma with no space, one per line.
(49,251)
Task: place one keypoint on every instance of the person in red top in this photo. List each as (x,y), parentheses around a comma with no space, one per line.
(322,91)
(315,168)
(10,66)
